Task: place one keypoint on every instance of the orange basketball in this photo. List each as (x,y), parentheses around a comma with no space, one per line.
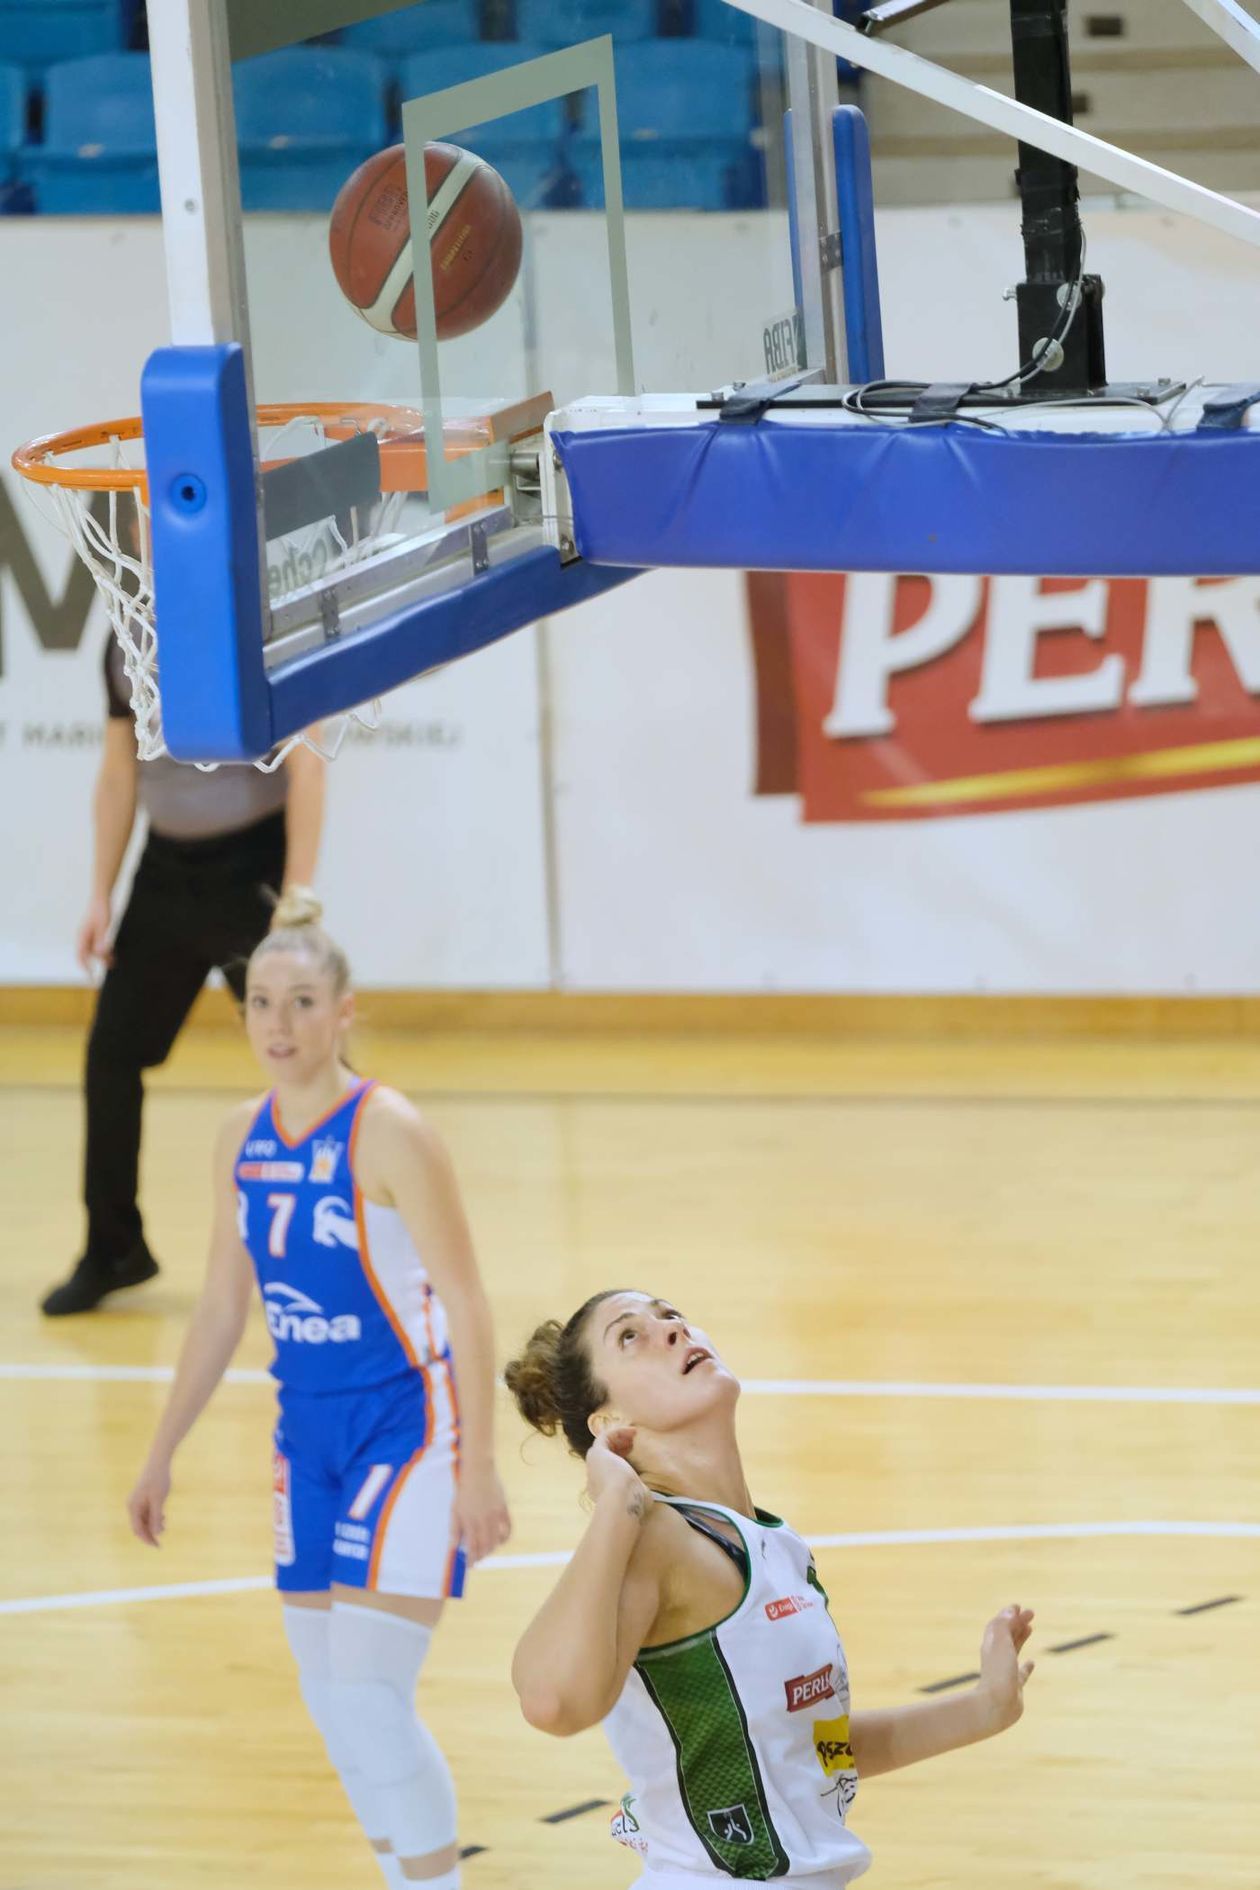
(475,241)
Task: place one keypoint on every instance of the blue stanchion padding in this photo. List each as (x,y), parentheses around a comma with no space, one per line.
(784,497)
(863,322)
(207,577)
(425,635)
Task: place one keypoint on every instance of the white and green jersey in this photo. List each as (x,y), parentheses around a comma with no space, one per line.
(735,1741)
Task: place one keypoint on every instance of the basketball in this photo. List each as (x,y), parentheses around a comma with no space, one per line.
(475,241)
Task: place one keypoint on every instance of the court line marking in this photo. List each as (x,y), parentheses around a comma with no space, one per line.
(123,1374)
(947,1686)
(844,1098)
(1086,1640)
(575,1811)
(556,1558)
(1205,1607)
(1033,1394)
(755,1387)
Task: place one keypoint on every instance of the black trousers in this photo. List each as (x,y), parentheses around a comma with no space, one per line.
(194,904)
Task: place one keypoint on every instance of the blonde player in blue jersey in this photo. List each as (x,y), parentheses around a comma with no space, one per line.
(341,1201)
(695,1626)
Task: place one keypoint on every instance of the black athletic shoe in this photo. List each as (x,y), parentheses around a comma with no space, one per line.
(92,1279)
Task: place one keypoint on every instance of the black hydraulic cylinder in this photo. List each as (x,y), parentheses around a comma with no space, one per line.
(1050,205)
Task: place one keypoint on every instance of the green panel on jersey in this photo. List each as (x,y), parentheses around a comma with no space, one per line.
(718,1775)
(811,1576)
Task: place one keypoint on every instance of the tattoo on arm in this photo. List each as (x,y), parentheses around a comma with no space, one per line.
(637,1506)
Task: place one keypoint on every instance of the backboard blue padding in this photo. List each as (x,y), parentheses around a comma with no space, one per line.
(206,557)
(219,703)
(425,635)
(782,497)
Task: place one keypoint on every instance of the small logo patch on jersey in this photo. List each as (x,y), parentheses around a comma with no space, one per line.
(624,1826)
(260,1148)
(334,1224)
(831,1745)
(282,1511)
(732,1825)
(324,1161)
(786,1605)
(271,1171)
(808,1688)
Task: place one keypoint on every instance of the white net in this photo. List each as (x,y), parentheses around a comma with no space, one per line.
(109,530)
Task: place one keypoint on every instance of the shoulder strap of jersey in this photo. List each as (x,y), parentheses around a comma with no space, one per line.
(366,1087)
(742,1523)
(262,1111)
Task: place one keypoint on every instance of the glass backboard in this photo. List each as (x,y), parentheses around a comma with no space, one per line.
(640,152)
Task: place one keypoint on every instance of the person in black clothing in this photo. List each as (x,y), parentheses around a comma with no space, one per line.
(220,846)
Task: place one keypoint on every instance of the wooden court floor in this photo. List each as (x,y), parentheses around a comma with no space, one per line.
(1064,1236)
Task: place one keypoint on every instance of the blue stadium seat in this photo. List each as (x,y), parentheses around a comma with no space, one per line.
(39,33)
(412,29)
(434,71)
(566,22)
(526,148)
(713,19)
(686,118)
(305,118)
(99,152)
(13,196)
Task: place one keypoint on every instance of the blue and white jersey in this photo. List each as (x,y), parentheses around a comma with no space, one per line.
(348,1302)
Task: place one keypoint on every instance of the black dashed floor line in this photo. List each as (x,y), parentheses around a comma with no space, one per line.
(943,1686)
(1202,1607)
(574,1811)
(1087,1640)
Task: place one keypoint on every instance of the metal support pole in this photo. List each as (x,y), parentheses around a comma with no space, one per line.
(814,94)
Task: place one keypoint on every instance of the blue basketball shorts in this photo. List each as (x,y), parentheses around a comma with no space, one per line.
(364,1488)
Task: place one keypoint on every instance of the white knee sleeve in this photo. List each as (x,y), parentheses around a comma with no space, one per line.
(307,1630)
(375,1661)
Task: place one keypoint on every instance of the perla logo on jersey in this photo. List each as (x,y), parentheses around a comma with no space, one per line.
(303,1320)
(334,1223)
(808,1688)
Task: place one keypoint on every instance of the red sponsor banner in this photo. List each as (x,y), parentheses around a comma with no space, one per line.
(919,697)
(808,1688)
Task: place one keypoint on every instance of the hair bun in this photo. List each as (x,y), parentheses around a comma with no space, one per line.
(532,1378)
(296,907)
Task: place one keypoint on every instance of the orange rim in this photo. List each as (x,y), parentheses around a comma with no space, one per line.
(404,463)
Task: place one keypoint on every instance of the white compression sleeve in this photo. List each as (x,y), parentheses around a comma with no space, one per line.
(308,1633)
(375,1660)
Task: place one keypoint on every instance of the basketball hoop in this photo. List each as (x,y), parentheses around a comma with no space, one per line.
(98,495)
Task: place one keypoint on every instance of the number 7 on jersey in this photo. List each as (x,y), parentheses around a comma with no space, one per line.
(282,1206)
